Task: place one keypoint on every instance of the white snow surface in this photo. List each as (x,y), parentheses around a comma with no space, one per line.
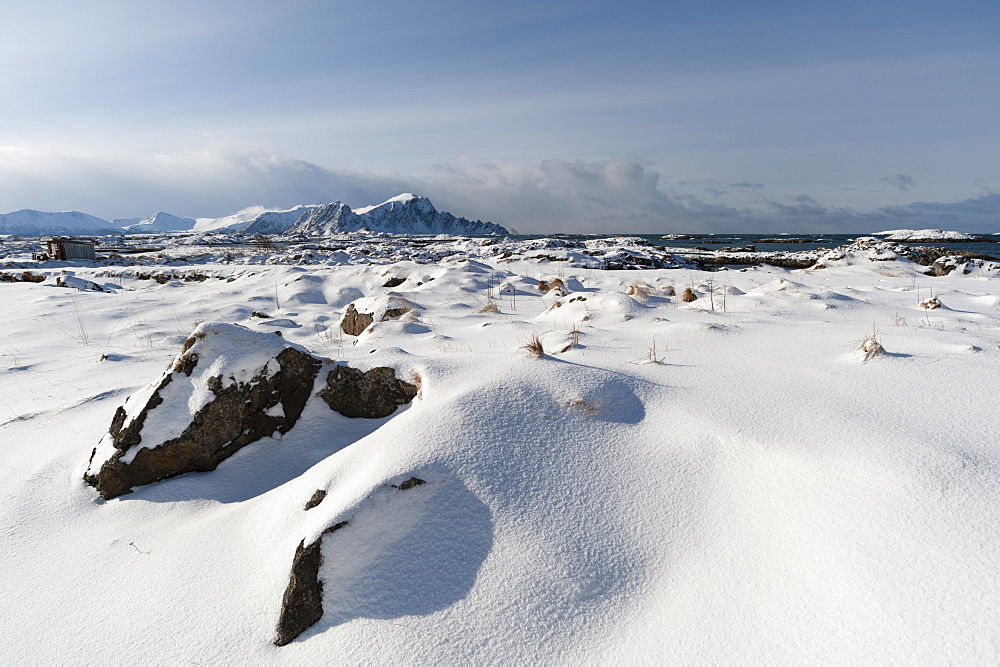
(161,222)
(925,235)
(401,198)
(719,481)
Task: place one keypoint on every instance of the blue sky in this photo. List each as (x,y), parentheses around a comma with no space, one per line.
(544,116)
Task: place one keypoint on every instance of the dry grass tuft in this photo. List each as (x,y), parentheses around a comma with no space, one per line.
(574,340)
(669,290)
(490,307)
(871,347)
(583,406)
(688,296)
(639,291)
(931,303)
(545,286)
(534,347)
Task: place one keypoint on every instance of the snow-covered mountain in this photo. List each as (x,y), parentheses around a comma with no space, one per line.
(275,222)
(28,222)
(160,222)
(255,220)
(326,220)
(404,214)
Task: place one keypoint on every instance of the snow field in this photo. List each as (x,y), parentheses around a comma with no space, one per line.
(752,491)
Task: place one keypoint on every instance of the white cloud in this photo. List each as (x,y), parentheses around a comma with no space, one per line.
(553,195)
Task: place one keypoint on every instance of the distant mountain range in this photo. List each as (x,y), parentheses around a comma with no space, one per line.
(404,214)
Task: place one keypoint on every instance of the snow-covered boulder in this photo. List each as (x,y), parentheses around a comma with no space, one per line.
(360,314)
(227,388)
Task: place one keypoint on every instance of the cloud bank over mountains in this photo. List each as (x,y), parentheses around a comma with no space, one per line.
(554,195)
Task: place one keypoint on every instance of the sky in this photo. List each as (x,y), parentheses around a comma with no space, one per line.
(542,116)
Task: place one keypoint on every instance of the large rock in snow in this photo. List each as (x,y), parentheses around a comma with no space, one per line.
(227,388)
(361,313)
(372,395)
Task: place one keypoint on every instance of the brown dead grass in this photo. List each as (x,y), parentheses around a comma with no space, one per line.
(639,290)
(545,286)
(534,347)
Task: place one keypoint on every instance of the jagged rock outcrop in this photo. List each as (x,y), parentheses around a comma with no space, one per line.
(229,387)
(327,220)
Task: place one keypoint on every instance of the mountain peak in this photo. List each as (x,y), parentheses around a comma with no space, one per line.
(403,214)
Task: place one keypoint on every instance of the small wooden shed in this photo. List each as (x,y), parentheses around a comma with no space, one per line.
(62,247)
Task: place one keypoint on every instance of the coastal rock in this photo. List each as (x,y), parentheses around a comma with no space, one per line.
(354,322)
(227,388)
(360,314)
(374,394)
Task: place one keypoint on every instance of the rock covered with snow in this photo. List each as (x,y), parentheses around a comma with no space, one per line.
(360,314)
(927,236)
(227,388)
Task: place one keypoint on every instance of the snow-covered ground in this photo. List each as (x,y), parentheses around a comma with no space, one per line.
(717,480)
(925,235)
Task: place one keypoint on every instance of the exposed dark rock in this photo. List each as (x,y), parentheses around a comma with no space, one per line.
(302,604)
(374,394)
(409,484)
(394,282)
(393,313)
(316,499)
(929,256)
(23,277)
(236,417)
(784,261)
(258,314)
(354,322)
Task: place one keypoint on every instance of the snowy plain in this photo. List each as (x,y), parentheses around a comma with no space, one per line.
(723,480)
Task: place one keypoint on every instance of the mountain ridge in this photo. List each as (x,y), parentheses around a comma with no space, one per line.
(403,214)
